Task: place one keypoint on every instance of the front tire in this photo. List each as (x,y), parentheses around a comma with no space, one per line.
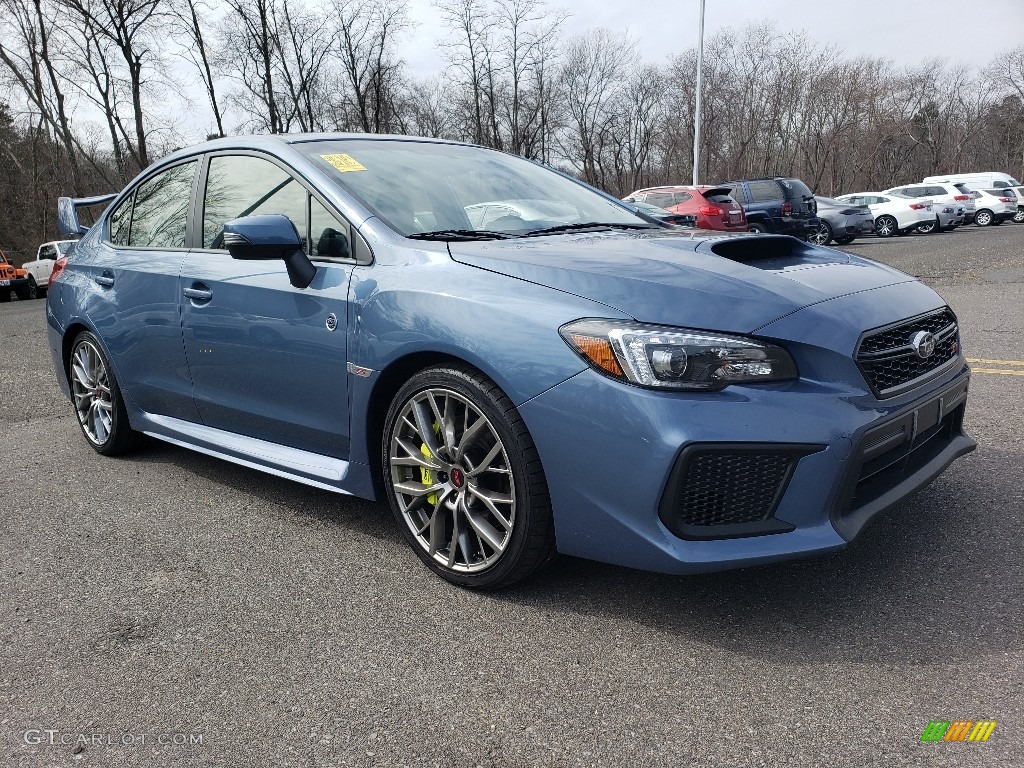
(34,291)
(886,226)
(822,235)
(755,227)
(845,239)
(464,480)
(1018,217)
(97,399)
(983,217)
(929,227)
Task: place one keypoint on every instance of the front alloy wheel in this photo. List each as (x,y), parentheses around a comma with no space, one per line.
(97,398)
(928,227)
(1018,217)
(464,479)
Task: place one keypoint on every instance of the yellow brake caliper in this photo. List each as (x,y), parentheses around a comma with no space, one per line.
(425,474)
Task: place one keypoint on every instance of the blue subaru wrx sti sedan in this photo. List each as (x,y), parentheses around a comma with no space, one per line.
(517,362)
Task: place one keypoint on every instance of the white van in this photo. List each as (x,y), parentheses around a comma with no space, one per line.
(986,180)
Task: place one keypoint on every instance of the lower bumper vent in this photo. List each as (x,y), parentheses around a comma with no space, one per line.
(720,491)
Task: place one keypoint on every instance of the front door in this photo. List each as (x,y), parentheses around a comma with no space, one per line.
(268,360)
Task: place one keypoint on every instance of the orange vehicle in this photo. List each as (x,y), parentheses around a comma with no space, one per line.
(12,280)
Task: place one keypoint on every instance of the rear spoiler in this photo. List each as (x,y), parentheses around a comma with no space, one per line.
(67,212)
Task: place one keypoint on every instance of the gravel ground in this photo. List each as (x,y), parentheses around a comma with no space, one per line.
(172,596)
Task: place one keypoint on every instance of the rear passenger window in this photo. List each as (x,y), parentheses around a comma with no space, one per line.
(660,199)
(764,191)
(682,197)
(936,191)
(120,221)
(161,209)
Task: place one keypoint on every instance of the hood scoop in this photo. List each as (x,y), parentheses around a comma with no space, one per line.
(775,253)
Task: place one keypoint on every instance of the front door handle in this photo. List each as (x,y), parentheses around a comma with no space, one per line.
(106,279)
(199,294)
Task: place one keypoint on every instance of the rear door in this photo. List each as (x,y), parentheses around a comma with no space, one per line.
(268,360)
(131,290)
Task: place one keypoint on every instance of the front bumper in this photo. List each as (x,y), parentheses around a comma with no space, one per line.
(615,448)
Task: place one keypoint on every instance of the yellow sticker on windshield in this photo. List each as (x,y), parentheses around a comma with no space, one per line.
(344,163)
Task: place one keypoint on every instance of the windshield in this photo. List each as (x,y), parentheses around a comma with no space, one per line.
(424,187)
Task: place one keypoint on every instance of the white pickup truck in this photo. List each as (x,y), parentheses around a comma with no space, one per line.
(40,269)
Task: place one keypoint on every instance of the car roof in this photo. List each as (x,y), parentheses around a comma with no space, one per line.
(276,141)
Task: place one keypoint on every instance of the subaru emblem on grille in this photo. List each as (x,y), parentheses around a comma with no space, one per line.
(923,344)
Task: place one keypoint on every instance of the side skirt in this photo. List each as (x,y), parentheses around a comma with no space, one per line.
(291,463)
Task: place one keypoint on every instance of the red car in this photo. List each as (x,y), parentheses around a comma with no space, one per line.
(713,206)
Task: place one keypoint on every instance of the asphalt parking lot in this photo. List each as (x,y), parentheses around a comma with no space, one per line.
(172,597)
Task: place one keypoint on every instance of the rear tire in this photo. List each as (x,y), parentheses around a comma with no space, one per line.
(34,291)
(755,227)
(983,218)
(97,399)
(464,480)
(886,226)
(822,235)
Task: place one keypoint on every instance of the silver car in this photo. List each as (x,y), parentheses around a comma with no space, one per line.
(842,222)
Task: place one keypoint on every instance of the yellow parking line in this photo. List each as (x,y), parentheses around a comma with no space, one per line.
(994,362)
(996,370)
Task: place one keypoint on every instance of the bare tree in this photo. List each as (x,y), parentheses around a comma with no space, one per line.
(129,25)
(365,46)
(190,19)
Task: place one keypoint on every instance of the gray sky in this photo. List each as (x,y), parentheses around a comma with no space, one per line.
(905,31)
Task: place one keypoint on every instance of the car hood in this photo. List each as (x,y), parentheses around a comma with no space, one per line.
(695,279)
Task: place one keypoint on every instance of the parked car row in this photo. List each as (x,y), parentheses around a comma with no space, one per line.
(782,205)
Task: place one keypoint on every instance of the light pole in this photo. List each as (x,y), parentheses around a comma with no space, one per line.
(697,111)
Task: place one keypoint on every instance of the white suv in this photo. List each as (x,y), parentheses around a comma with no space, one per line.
(944,195)
(1019,193)
(40,269)
(994,206)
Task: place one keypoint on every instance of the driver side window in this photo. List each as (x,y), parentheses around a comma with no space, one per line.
(244,185)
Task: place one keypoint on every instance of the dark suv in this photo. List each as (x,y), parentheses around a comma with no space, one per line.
(779,205)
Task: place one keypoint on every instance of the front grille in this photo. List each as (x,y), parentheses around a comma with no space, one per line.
(888,361)
(725,490)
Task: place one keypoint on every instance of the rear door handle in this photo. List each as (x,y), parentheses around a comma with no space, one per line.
(199,294)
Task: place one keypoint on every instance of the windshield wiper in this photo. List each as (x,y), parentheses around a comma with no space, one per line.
(461,234)
(585,225)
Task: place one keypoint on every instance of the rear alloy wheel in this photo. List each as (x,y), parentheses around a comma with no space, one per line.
(928,227)
(822,235)
(983,217)
(97,399)
(464,479)
(886,226)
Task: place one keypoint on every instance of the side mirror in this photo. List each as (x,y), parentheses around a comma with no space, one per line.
(270,236)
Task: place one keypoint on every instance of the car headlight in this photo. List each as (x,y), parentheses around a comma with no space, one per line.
(675,358)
